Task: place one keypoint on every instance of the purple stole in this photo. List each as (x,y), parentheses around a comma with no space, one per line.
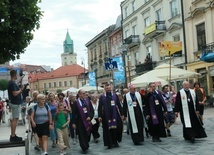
(112,120)
(152,107)
(87,124)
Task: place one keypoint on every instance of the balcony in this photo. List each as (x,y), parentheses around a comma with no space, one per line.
(132,41)
(208,48)
(145,67)
(155,29)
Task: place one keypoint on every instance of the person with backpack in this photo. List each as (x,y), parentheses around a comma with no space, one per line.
(41,119)
(62,120)
(31,104)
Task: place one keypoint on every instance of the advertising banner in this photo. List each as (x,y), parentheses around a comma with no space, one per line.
(92,78)
(168,48)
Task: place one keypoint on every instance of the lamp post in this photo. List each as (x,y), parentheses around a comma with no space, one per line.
(83,63)
(124,52)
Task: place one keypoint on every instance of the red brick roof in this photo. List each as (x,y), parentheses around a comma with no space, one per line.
(61,72)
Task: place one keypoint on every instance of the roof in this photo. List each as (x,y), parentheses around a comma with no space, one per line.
(61,72)
(68,39)
(33,68)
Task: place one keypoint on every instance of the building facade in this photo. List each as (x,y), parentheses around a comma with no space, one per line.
(62,78)
(68,56)
(199,21)
(146,25)
(98,52)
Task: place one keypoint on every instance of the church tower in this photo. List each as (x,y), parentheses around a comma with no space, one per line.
(68,57)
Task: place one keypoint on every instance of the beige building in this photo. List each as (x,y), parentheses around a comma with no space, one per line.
(62,78)
(146,24)
(98,53)
(199,22)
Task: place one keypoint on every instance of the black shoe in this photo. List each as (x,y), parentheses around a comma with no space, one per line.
(154,140)
(37,148)
(3,121)
(192,140)
(116,145)
(159,140)
(109,147)
(15,139)
(169,134)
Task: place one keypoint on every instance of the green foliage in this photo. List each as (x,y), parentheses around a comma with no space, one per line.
(3,84)
(59,91)
(18,20)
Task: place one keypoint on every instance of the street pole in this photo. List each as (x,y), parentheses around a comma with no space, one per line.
(184,33)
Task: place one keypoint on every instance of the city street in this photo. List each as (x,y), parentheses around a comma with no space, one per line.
(174,145)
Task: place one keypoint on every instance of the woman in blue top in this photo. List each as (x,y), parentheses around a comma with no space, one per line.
(41,119)
(53,106)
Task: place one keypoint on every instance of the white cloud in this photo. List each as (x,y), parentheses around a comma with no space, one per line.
(83,18)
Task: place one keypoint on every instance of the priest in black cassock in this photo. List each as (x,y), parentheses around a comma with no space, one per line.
(155,106)
(82,114)
(111,115)
(188,105)
(133,106)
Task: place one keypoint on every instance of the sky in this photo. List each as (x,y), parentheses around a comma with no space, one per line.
(83,19)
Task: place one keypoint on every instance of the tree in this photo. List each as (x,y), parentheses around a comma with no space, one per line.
(3,85)
(18,20)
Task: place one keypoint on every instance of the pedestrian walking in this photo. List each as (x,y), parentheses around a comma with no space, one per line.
(133,109)
(82,114)
(62,120)
(154,107)
(41,119)
(188,106)
(111,115)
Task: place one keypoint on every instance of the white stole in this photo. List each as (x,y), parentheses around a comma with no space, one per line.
(131,110)
(185,107)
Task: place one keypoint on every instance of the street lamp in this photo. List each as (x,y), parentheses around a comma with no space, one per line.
(83,63)
(124,53)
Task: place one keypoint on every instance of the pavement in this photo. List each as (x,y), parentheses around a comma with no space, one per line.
(174,145)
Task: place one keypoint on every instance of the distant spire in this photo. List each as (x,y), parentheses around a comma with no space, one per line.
(68,44)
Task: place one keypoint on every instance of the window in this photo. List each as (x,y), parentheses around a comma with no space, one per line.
(49,85)
(45,85)
(126,33)
(149,53)
(133,6)
(126,12)
(146,21)
(158,15)
(134,29)
(136,55)
(71,83)
(65,83)
(54,84)
(129,58)
(176,37)
(60,84)
(174,8)
(201,36)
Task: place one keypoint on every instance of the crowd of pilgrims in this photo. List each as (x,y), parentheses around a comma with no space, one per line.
(78,116)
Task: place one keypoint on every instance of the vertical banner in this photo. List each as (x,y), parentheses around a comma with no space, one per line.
(92,78)
(119,75)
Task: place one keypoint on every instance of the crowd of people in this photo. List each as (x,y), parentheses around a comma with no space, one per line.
(77,116)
